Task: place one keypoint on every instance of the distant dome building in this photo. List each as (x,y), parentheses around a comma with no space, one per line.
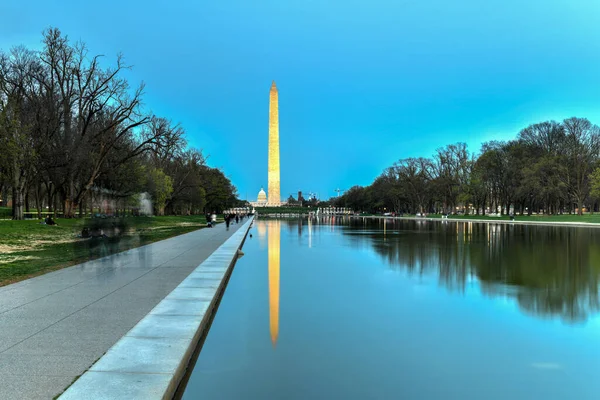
(262,196)
(261,200)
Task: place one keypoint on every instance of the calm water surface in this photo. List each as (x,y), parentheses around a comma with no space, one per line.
(374,309)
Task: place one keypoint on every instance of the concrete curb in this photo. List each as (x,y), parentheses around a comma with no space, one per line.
(491,221)
(151,359)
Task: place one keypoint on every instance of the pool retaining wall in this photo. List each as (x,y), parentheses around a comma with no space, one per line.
(152,358)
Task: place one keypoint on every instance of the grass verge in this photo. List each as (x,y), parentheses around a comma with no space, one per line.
(28,248)
(585,218)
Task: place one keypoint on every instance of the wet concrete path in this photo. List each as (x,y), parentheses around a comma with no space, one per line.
(55,326)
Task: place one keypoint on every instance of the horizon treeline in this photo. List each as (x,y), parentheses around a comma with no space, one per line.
(75,136)
(550,167)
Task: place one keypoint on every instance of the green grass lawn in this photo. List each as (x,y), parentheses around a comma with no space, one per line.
(586,218)
(5,212)
(28,248)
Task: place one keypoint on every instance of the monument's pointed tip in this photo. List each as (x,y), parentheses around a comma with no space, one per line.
(273,85)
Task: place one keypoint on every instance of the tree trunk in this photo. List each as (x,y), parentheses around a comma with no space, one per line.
(27,209)
(38,202)
(91,205)
(18,193)
(49,193)
(18,204)
(557,207)
(69,203)
(55,199)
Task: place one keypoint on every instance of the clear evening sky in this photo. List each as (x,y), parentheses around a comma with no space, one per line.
(361,83)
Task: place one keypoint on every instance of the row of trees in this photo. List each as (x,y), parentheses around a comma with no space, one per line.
(551,167)
(73,133)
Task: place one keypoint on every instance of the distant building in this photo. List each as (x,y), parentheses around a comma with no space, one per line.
(261,199)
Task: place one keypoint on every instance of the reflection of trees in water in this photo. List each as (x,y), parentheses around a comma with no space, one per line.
(421,250)
(555,268)
(550,271)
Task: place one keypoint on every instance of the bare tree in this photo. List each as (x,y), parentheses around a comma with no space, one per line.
(17,118)
(416,176)
(583,148)
(97,114)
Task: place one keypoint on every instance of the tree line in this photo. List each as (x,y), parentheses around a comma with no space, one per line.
(550,167)
(74,135)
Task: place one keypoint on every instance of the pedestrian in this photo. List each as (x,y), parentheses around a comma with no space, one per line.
(237,219)
(227,220)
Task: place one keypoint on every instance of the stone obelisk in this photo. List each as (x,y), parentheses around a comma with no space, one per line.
(273,189)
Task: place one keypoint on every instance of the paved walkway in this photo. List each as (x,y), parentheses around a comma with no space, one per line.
(55,326)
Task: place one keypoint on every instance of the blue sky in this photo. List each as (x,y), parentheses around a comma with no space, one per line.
(361,83)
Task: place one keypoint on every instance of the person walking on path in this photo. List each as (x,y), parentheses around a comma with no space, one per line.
(227,220)
(237,219)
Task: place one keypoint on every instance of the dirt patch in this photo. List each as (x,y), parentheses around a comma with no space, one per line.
(190,224)
(35,243)
(32,245)
(9,259)
(181,224)
(9,248)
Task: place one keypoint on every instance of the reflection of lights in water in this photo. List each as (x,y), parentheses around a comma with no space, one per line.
(261,228)
(273,250)
(457,232)
(309,233)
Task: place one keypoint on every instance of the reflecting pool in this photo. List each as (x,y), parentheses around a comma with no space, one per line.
(358,308)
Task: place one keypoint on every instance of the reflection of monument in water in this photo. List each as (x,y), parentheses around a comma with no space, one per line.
(273,196)
(273,250)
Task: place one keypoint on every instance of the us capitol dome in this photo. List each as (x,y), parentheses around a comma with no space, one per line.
(262,197)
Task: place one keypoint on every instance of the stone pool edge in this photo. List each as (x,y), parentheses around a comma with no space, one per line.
(566,224)
(150,361)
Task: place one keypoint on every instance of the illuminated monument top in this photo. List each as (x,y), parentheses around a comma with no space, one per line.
(273,189)
(273,198)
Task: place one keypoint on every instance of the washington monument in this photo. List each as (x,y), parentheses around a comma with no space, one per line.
(273,189)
